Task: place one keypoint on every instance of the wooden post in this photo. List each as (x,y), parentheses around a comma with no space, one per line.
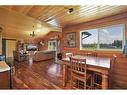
(104,81)
(64,75)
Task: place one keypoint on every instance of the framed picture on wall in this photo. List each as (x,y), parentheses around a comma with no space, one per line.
(71,40)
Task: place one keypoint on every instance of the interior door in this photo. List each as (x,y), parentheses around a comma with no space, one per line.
(10,47)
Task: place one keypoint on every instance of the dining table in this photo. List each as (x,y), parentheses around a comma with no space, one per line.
(99,65)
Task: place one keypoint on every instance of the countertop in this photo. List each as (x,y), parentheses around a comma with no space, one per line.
(4,66)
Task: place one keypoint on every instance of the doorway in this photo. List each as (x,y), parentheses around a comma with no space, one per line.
(55,46)
(8,46)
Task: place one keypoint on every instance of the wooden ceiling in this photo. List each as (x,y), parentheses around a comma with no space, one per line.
(19,26)
(59,13)
(18,20)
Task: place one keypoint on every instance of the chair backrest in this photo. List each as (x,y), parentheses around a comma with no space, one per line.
(112,62)
(78,65)
(94,54)
(69,55)
(118,73)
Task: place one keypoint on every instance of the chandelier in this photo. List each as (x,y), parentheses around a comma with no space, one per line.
(32,34)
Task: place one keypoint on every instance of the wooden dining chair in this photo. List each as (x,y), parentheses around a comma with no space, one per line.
(79,77)
(118,73)
(94,54)
(68,55)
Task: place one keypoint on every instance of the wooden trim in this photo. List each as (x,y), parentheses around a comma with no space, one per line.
(9,39)
(3,47)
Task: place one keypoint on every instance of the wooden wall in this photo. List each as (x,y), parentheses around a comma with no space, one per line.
(0,43)
(50,36)
(112,20)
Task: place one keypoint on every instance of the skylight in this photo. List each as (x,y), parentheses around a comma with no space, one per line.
(54,22)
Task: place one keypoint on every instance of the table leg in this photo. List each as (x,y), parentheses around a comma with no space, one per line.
(104,82)
(64,75)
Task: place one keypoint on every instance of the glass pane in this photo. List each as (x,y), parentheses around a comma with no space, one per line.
(51,45)
(111,37)
(89,39)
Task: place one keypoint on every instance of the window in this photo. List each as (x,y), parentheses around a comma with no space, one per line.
(53,22)
(107,38)
(111,37)
(89,39)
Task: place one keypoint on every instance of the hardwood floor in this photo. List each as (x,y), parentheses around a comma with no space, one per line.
(38,75)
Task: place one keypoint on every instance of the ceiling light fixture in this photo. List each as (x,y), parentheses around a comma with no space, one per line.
(33,33)
(70,10)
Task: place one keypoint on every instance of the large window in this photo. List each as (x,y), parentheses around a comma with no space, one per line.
(107,38)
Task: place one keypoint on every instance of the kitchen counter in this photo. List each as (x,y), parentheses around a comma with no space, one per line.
(4,66)
(4,75)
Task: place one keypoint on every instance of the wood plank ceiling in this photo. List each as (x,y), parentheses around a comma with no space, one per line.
(21,17)
(59,13)
(19,26)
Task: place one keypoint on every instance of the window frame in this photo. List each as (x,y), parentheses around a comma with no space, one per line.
(81,41)
(51,41)
(98,48)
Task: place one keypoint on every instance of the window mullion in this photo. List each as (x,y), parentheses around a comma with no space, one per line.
(98,39)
